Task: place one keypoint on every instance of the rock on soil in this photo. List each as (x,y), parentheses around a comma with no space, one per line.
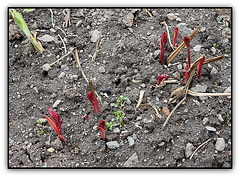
(189,150)
(112,144)
(220,144)
(132,161)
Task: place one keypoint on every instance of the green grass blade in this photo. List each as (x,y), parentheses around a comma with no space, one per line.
(23,26)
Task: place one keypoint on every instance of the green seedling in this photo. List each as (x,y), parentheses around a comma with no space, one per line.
(214,45)
(23,26)
(41,126)
(119,114)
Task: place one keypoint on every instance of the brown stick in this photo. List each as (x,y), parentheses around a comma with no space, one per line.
(79,66)
(180,47)
(200,147)
(168,34)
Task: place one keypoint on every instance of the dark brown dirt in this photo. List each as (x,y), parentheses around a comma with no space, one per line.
(128,53)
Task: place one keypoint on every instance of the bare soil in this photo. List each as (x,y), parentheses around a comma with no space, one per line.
(126,63)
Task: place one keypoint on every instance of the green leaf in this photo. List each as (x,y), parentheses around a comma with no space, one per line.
(41,131)
(38,121)
(23,26)
(112,119)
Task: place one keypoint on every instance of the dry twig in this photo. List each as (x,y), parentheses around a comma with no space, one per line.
(61,58)
(200,147)
(63,44)
(168,34)
(148,12)
(184,90)
(97,47)
(180,47)
(67,22)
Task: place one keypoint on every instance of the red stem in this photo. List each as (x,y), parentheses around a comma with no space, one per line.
(101,127)
(187,42)
(94,102)
(163,44)
(175,37)
(199,67)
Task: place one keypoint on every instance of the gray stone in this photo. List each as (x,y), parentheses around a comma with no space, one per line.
(55,105)
(156,54)
(220,144)
(205,120)
(62,75)
(225,41)
(46,38)
(213,50)
(220,118)
(74,77)
(131,30)
(199,88)
(214,71)
(95,35)
(139,118)
(112,144)
(116,130)
(189,150)
(173,16)
(35,89)
(128,20)
(161,144)
(101,69)
(130,140)
(133,160)
(143,85)
(197,48)
(152,27)
(209,128)
(46,67)
(228,90)
(179,66)
(128,101)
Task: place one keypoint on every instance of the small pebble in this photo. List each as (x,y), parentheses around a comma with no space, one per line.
(205,120)
(165,111)
(112,144)
(220,118)
(55,105)
(62,75)
(46,67)
(220,144)
(51,149)
(209,128)
(130,140)
(101,69)
(35,89)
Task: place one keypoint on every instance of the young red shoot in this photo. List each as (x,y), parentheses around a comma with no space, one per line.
(186,74)
(91,97)
(175,37)
(101,127)
(163,44)
(161,79)
(199,67)
(187,42)
(55,122)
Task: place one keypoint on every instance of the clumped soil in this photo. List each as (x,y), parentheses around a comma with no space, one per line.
(126,63)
